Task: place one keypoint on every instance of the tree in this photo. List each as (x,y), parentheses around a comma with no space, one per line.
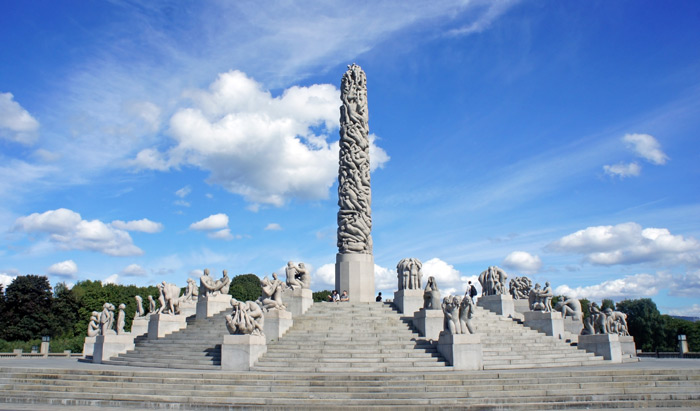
(607,303)
(585,307)
(27,314)
(320,296)
(246,287)
(64,309)
(645,323)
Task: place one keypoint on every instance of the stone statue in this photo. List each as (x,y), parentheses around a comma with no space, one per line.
(354,191)
(151,305)
(616,322)
(547,294)
(297,276)
(120,319)
(493,281)
(431,295)
(139,307)
(169,298)
(607,321)
(520,288)
(107,319)
(209,287)
(271,298)
(535,298)
(570,307)
(246,318)
(191,292)
(466,311)
(409,274)
(450,308)
(94,325)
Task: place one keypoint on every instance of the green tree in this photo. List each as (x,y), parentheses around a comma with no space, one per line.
(607,303)
(27,314)
(585,307)
(245,287)
(645,324)
(64,309)
(320,296)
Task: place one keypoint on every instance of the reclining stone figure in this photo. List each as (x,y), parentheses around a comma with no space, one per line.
(520,288)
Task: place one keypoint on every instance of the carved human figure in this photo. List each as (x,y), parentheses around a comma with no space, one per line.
(520,288)
(409,274)
(546,296)
(151,305)
(209,287)
(493,281)
(616,322)
(94,324)
(107,319)
(121,319)
(191,291)
(245,318)
(297,276)
(535,299)
(431,295)
(450,309)
(466,311)
(139,307)
(169,298)
(271,298)
(570,307)
(161,298)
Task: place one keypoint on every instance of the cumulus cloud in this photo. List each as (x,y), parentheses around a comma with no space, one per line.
(16,124)
(183,192)
(623,170)
(646,147)
(385,278)
(523,262)
(6,279)
(629,243)
(213,222)
(273,227)
(66,268)
(267,149)
(634,286)
(144,225)
(687,285)
(324,276)
(223,234)
(133,270)
(67,230)
(445,274)
(112,279)
(691,311)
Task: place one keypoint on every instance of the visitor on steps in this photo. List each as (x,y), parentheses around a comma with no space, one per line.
(379,297)
(472,292)
(344,296)
(335,297)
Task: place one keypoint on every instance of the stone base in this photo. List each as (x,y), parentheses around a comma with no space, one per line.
(139,326)
(89,346)
(297,301)
(160,325)
(462,351)
(276,324)
(627,346)
(208,306)
(573,326)
(605,345)
(408,301)
(549,323)
(111,345)
(239,352)
(188,308)
(429,323)
(354,273)
(499,304)
(521,306)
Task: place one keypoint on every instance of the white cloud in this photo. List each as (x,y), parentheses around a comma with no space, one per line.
(646,147)
(385,278)
(493,9)
(523,262)
(16,124)
(445,274)
(133,270)
(67,230)
(623,170)
(66,268)
(692,311)
(629,243)
(267,149)
(634,286)
(324,276)
(144,225)
(213,222)
(273,227)
(181,203)
(6,279)
(112,279)
(687,285)
(145,111)
(224,234)
(183,192)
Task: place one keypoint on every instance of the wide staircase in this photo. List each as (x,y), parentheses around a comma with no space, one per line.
(350,337)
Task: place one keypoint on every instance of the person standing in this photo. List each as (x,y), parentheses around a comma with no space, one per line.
(472,292)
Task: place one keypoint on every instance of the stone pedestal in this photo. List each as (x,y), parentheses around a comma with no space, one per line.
(627,346)
(239,352)
(462,351)
(188,308)
(521,306)
(160,325)
(429,323)
(499,304)
(111,345)
(573,326)
(408,301)
(139,326)
(549,323)
(297,301)
(44,348)
(354,273)
(210,305)
(89,346)
(605,345)
(276,324)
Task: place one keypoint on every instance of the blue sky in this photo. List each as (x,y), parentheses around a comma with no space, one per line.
(146,141)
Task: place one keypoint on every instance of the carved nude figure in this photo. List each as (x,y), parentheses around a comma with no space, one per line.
(450,308)
(94,325)
(466,311)
(151,305)
(209,287)
(570,307)
(120,319)
(246,318)
(297,276)
(139,307)
(493,281)
(409,274)
(191,291)
(271,298)
(546,295)
(431,295)
(107,319)
(169,298)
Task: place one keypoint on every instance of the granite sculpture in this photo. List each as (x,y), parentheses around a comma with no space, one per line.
(409,274)
(616,322)
(151,305)
(606,321)
(209,287)
(245,318)
(431,295)
(520,288)
(121,319)
(139,307)
(191,291)
(450,309)
(535,299)
(107,319)
(466,311)
(94,325)
(271,298)
(297,276)
(570,307)
(169,298)
(493,281)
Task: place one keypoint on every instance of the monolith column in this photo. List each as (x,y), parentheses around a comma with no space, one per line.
(354,266)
